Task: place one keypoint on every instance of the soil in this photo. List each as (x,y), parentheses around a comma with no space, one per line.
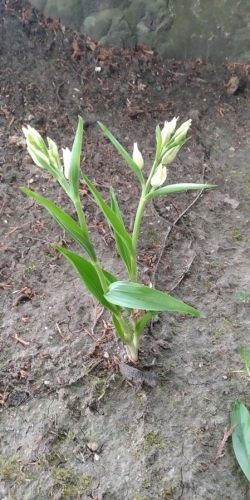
(72,427)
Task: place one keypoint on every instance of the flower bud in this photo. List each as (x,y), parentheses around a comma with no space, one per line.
(181,132)
(33,137)
(159,177)
(53,150)
(170,155)
(66,161)
(38,157)
(54,155)
(168,130)
(137,157)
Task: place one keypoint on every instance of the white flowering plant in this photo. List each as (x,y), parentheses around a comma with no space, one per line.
(131,304)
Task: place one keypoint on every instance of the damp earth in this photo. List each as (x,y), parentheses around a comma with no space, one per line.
(72,426)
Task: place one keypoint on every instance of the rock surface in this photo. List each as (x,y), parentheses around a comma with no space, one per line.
(188,29)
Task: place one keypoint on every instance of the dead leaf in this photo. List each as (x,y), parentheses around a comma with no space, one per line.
(16,139)
(232,85)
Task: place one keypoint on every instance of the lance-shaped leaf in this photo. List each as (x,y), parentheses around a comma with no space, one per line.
(124,153)
(140,323)
(123,250)
(113,220)
(241,436)
(136,296)
(174,188)
(119,329)
(65,221)
(90,277)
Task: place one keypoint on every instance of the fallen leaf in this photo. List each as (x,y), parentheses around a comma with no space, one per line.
(232,85)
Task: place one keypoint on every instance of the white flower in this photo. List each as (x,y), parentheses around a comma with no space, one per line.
(137,157)
(66,161)
(159,177)
(182,131)
(168,130)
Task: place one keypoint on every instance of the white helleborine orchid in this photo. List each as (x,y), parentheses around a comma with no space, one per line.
(168,130)
(54,155)
(137,157)
(170,155)
(33,137)
(53,149)
(66,161)
(159,177)
(38,157)
(36,147)
(182,131)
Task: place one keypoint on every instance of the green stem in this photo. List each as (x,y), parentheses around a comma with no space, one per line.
(101,276)
(148,186)
(135,234)
(133,348)
(81,217)
(84,227)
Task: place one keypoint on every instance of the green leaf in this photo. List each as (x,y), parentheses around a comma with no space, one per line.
(65,221)
(115,206)
(124,153)
(110,215)
(136,296)
(241,436)
(118,327)
(89,276)
(122,248)
(174,188)
(75,161)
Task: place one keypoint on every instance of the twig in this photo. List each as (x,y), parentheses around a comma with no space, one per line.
(58,90)
(170,228)
(183,274)
(19,339)
(64,337)
(220,453)
(5,286)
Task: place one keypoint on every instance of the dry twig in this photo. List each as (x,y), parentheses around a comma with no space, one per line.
(220,453)
(19,339)
(169,230)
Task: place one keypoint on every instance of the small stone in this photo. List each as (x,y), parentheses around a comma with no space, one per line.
(92,446)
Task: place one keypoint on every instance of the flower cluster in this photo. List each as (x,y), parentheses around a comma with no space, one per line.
(171,142)
(47,156)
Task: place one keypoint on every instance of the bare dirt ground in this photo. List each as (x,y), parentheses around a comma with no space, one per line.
(71,426)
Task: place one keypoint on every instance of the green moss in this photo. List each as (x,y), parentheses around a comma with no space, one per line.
(153,439)
(11,470)
(72,485)
(55,458)
(237,234)
(225,326)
